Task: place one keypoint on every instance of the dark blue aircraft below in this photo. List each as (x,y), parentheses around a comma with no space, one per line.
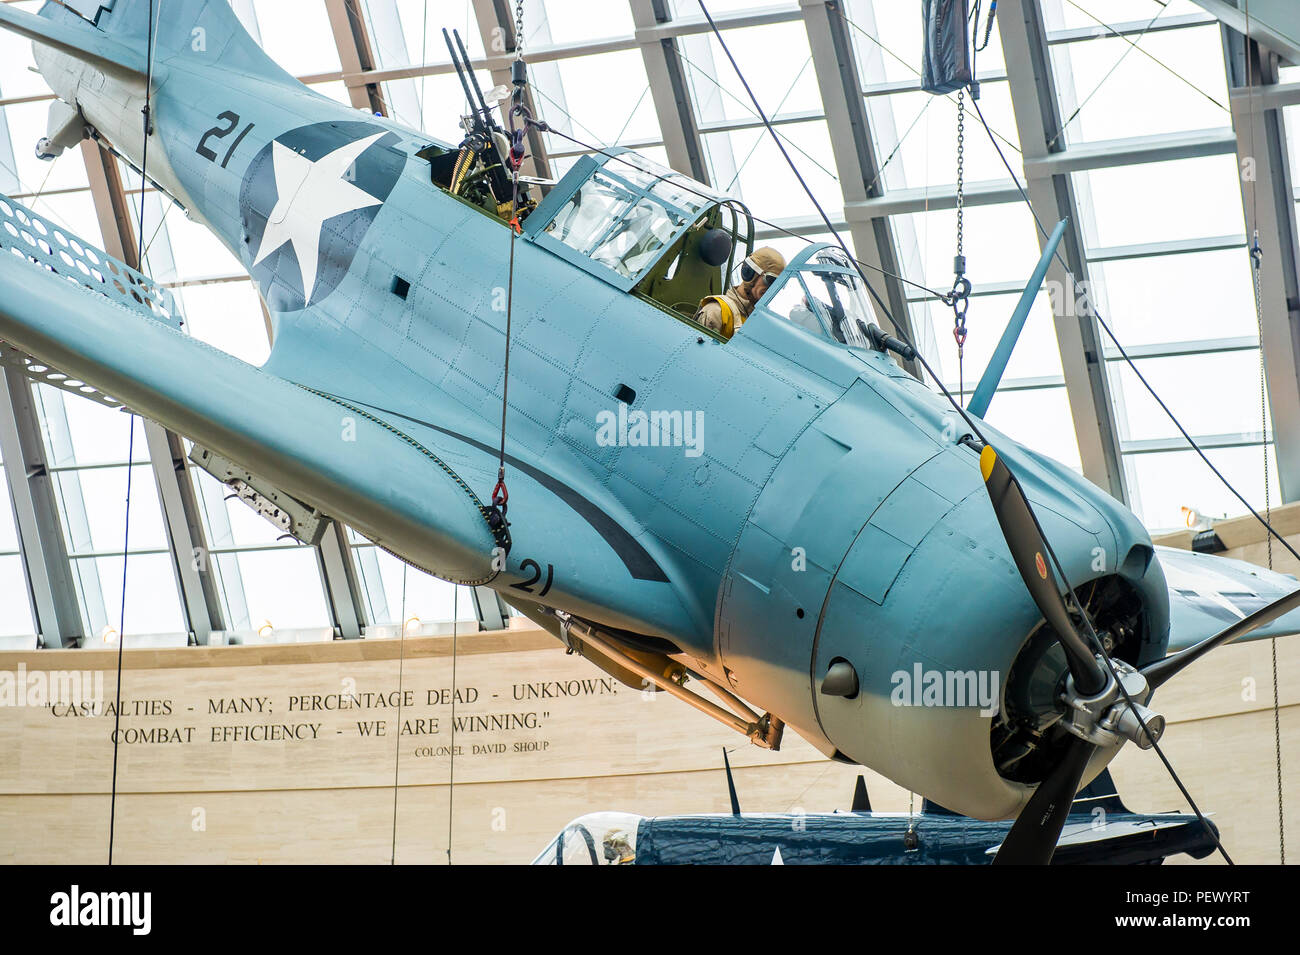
(1100,830)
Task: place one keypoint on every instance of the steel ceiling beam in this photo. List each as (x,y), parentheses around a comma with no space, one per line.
(562,51)
(1273,96)
(898,202)
(1274,23)
(356,57)
(1127,152)
(1270,211)
(339,574)
(670,90)
(56,610)
(1098,31)
(1146,250)
(493,614)
(1036,107)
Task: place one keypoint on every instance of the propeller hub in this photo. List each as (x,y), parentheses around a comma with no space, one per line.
(1108,718)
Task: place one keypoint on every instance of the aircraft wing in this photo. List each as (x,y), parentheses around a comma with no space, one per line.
(67,307)
(1128,838)
(85,43)
(1208,593)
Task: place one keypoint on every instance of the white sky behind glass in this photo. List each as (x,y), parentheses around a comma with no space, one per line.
(150,606)
(575,21)
(1156,202)
(227,315)
(297,35)
(282,587)
(1199,295)
(428,598)
(765,181)
(598,118)
(1108,72)
(1183,382)
(927,124)
(104,493)
(785,81)
(420,35)
(1164,483)
(1031,417)
(1036,354)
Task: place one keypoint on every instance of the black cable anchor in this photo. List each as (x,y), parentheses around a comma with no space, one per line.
(496,512)
(958,299)
(519,79)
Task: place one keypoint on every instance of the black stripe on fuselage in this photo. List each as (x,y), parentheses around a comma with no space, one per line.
(635,558)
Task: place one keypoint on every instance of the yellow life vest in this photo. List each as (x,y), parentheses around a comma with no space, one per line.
(728,314)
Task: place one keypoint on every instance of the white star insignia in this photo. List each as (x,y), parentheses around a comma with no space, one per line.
(309,194)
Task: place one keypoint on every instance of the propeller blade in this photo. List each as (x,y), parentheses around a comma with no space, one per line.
(1025,540)
(1032,839)
(1163,670)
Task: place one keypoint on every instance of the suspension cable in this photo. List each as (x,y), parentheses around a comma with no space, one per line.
(401,651)
(1252,51)
(130,452)
(451,756)
(515,159)
(397,746)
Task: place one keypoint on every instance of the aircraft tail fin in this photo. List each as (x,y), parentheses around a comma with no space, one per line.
(1100,792)
(207,31)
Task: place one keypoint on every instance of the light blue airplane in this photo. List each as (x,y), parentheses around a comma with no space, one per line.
(787,518)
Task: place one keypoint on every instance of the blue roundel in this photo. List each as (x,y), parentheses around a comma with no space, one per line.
(307,201)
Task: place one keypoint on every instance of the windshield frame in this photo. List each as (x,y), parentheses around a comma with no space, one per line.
(624,167)
(803,265)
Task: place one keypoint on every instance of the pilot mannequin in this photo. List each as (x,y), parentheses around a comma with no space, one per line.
(726,312)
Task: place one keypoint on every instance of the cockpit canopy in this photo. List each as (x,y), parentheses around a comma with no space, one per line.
(821,292)
(643,228)
(672,241)
(625,214)
(598,838)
